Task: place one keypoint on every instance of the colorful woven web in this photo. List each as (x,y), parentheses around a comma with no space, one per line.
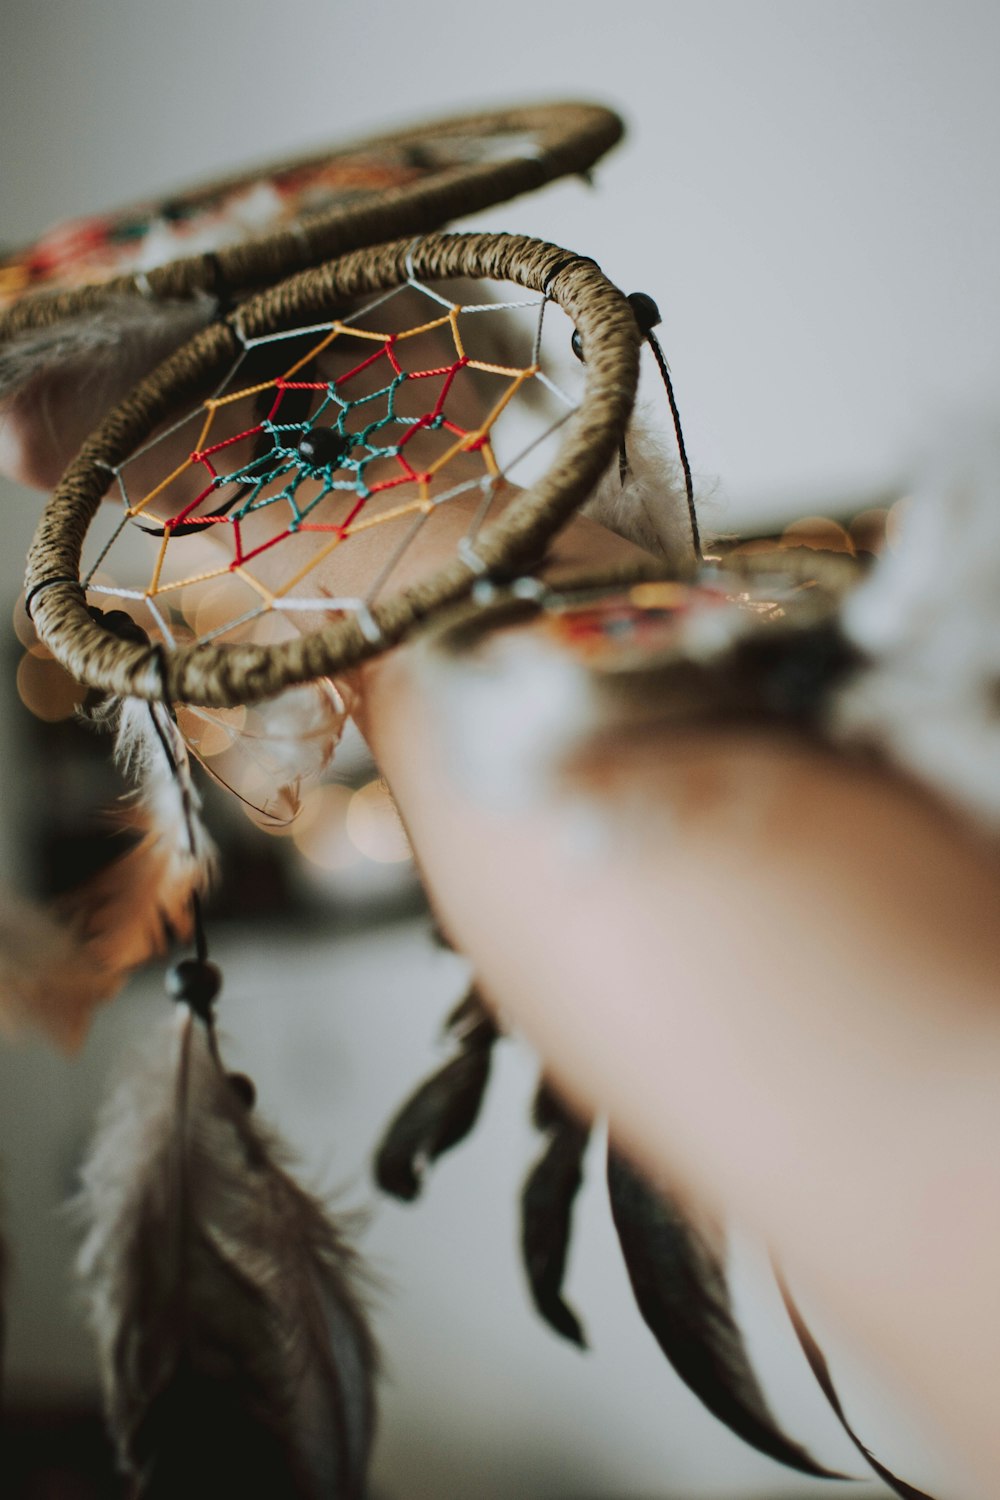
(349,432)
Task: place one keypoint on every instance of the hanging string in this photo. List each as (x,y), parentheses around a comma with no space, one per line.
(647,315)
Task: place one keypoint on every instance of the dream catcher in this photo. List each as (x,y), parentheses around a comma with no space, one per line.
(89,308)
(381,446)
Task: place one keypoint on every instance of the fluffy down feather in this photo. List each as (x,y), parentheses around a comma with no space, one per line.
(928,620)
(650,508)
(143,901)
(57,965)
(46,977)
(235,1356)
(58,382)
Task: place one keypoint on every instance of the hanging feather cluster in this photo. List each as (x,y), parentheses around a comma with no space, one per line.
(675,1257)
(235,1353)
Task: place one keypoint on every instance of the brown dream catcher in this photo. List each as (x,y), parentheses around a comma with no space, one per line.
(274,483)
(94,304)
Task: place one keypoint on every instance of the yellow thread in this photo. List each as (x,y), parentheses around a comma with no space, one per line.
(323,344)
(386,515)
(182,583)
(161,553)
(453,319)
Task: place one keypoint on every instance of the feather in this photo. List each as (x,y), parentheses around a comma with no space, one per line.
(47,977)
(927,620)
(134,908)
(58,964)
(820,1368)
(678,1276)
(648,506)
(58,380)
(444,1108)
(269,754)
(547,1212)
(235,1355)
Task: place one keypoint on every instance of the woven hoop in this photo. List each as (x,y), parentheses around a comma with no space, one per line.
(219,674)
(562,139)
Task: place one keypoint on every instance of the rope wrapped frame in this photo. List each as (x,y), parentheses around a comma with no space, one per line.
(220,674)
(569,137)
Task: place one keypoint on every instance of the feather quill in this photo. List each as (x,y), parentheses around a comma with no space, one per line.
(444,1108)
(547,1201)
(678,1276)
(235,1354)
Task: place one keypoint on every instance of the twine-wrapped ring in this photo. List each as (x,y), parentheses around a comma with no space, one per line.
(224,674)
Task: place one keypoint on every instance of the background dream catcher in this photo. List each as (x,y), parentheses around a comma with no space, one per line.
(89,308)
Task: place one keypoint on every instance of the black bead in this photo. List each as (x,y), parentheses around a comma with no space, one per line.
(323,447)
(196,982)
(576,344)
(647,314)
(243,1088)
(120,623)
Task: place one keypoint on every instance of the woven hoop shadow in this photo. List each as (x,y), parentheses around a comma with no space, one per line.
(217,673)
(443,170)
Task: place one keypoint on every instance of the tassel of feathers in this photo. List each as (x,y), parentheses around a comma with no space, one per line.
(235,1354)
(57,965)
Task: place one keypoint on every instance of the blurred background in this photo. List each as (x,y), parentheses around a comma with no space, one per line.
(807,189)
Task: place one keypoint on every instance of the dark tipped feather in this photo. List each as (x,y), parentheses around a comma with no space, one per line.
(235,1355)
(820,1368)
(678,1276)
(444,1108)
(547,1201)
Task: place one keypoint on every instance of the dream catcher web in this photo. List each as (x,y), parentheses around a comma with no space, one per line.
(326,456)
(359,476)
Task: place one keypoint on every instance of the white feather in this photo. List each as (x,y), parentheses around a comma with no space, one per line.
(928,621)
(650,508)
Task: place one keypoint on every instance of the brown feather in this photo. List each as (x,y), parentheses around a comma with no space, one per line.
(234,1350)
